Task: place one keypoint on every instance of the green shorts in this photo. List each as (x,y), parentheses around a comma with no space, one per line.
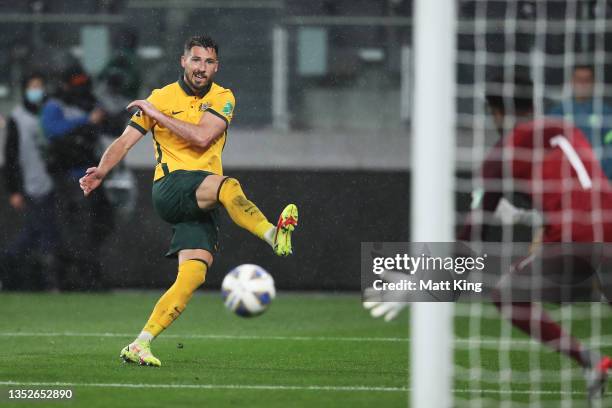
(175,202)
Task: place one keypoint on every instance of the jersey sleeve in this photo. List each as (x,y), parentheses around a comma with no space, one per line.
(520,144)
(223,106)
(487,197)
(142,122)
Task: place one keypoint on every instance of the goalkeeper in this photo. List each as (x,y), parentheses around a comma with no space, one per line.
(570,191)
(568,187)
(188,120)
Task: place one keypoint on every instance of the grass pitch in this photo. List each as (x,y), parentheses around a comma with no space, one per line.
(307,350)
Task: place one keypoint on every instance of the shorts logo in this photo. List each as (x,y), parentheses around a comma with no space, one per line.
(205,106)
(227,109)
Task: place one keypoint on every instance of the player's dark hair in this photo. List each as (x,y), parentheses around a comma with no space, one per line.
(203,41)
(519,101)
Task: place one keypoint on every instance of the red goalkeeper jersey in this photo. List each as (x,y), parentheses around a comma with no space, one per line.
(553,163)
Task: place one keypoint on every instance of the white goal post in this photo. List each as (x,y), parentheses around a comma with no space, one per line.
(432,202)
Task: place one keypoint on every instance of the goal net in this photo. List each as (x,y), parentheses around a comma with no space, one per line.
(557,44)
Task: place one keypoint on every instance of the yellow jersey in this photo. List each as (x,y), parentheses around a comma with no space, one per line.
(179,101)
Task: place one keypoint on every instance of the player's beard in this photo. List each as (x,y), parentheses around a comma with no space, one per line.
(190,81)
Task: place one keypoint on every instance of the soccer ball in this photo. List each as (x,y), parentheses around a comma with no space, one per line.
(248,290)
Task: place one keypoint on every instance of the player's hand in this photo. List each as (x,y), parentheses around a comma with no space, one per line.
(505,212)
(384,303)
(508,214)
(91,180)
(389,310)
(146,107)
(17,201)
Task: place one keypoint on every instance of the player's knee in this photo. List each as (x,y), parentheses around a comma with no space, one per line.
(192,273)
(199,278)
(230,193)
(208,191)
(230,184)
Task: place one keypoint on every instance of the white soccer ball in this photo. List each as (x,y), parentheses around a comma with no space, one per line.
(248,290)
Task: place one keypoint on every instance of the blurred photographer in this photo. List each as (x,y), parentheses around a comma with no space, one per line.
(72,122)
(30,259)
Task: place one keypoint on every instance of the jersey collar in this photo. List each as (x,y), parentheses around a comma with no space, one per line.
(189,91)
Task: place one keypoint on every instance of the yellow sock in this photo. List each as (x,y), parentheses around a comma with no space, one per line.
(191,274)
(242,211)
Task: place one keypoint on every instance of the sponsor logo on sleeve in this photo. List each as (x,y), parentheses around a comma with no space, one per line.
(227,109)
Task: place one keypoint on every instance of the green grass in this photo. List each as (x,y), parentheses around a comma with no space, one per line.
(302,341)
(306,351)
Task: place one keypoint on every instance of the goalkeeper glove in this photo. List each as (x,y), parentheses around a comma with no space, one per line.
(508,214)
(385,303)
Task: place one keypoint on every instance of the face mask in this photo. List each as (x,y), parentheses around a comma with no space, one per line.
(35,96)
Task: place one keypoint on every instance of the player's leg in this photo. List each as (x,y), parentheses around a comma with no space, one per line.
(194,242)
(227,191)
(532,318)
(527,283)
(192,268)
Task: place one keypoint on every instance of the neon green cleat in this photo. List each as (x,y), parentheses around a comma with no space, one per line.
(287,222)
(139,352)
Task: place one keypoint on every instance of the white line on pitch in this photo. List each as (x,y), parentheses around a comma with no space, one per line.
(205,336)
(493,342)
(278,387)
(210,386)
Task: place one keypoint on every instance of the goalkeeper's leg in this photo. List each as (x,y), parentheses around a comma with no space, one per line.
(532,319)
(227,191)
(531,279)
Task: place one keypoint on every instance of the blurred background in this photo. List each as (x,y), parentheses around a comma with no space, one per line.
(323,114)
(323,93)
(322,90)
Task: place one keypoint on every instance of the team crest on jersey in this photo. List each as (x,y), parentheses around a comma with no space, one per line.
(205,106)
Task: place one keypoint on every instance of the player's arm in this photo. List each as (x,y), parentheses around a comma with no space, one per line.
(486,198)
(490,198)
(111,157)
(202,135)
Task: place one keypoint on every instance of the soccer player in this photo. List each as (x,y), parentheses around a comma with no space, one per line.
(188,120)
(568,188)
(552,162)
